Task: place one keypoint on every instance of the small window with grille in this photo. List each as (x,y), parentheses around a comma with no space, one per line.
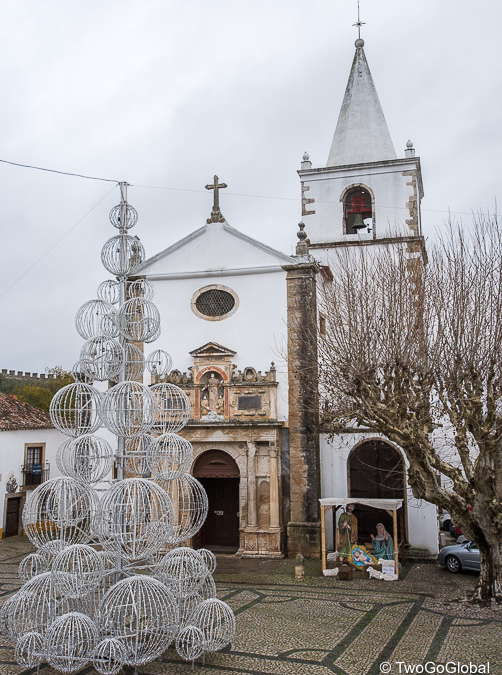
(214,303)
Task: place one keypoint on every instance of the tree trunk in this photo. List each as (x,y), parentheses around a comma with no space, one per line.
(489,586)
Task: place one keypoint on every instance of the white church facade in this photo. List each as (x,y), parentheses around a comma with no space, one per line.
(258,448)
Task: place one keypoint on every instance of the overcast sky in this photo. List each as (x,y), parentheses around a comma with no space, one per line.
(166,93)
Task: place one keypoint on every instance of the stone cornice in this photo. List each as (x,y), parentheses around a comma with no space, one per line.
(372,242)
(237,271)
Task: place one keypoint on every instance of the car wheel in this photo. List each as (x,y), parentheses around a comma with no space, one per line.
(453,564)
(446,525)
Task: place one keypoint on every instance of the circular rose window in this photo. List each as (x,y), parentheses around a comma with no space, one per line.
(214,303)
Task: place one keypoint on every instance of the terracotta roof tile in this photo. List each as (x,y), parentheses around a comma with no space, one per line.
(15,415)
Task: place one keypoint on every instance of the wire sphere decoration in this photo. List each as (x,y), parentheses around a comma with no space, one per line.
(134,363)
(128,409)
(71,611)
(109,656)
(77,372)
(121,254)
(61,452)
(208,588)
(34,607)
(70,642)
(173,405)
(209,559)
(109,291)
(138,320)
(87,458)
(216,621)
(101,358)
(140,288)
(135,519)
(30,649)
(74,410)
(190,643)
(5,610)
(130,220)
(159,363)
(154,336)
(77,571)
(61,509)
(136,450)
(109,562)
(190,506)
(187,605)
(182,570)
(143,614)
(32,565)
(169,456)
(96,318)
(50,550)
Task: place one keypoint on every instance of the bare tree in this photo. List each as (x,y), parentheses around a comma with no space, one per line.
(412,350)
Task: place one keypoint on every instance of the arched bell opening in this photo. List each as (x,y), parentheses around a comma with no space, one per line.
(358,210)
(219,474)
(376,470)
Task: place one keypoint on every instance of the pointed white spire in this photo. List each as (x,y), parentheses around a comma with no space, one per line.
(361,133)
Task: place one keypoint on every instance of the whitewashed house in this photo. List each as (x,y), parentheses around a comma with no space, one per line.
(28,446)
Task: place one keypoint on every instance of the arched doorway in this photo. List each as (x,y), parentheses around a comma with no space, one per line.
(219,475)
(376,469)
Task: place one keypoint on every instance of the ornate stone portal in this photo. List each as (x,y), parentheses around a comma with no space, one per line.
(235,412)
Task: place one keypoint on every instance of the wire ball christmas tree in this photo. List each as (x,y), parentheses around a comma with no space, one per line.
(110,583)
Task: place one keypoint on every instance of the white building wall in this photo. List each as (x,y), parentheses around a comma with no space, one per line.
(12,456)
(256,331)
(421,516)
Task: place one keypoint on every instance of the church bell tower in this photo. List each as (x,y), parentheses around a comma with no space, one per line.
(365,194)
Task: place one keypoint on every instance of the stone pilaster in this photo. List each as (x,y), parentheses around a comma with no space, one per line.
(252,510)
(274,489)
(303,530)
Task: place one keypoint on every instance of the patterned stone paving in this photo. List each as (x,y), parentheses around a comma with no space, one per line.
(318,628)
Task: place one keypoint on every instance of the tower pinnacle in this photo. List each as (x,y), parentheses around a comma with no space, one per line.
(361,133)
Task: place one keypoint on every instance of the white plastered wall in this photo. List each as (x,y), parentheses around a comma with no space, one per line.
(256,331)
(12,456)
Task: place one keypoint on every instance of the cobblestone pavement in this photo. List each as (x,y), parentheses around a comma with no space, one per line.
(322,625)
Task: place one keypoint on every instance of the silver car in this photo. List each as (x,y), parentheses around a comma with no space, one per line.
(459,557)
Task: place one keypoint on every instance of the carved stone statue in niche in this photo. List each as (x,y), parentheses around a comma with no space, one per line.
(213,390)
(211,405)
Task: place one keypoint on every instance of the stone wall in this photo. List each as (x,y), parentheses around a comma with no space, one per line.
(303,529)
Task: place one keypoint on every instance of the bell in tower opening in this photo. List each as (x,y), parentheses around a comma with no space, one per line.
(357,211)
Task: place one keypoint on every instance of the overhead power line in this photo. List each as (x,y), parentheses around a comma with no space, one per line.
(233,194)
(56,243)
(64,173)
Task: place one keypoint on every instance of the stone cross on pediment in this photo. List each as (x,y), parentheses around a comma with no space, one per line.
(216,215)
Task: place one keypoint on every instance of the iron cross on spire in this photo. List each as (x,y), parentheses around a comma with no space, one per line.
(359,22)
(216,216)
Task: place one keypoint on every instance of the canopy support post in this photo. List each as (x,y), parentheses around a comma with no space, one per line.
(396,547)
(323,537)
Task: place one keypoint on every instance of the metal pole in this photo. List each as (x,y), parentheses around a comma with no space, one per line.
(123,343)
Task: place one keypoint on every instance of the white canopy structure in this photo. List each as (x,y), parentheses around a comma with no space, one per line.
(334,503)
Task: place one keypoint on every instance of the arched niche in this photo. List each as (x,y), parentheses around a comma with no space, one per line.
(358,209)
(376,469)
